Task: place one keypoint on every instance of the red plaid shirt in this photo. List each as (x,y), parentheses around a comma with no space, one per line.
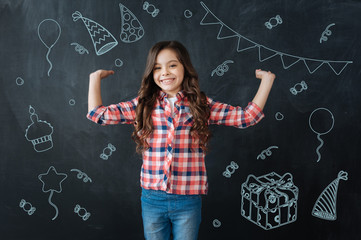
(174,161)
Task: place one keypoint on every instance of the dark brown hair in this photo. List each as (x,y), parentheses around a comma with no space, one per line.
(149,91)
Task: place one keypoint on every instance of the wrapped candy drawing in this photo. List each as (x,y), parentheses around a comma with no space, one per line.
(131,29)
(82,212)
(269,201)
(103,40)
(50,40)
(52,183)
(325,206)
(107,152)
(27,207)
(39,133)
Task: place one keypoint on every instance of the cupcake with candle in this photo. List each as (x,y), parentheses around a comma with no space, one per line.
(39,133)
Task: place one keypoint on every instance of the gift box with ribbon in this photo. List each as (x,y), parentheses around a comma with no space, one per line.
(269,201)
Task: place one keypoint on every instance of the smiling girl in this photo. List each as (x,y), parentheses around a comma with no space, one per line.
(171,118)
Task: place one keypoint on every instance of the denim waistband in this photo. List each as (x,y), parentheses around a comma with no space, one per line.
(163,194)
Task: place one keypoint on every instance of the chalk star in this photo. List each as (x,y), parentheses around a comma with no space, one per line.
(52,180)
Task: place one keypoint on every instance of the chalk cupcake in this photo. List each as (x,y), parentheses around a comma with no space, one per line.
(39,133)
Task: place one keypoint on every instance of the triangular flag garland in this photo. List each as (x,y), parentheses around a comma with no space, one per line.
(244,44)
(265,53)
(103,40)
(288,61)
(325,206)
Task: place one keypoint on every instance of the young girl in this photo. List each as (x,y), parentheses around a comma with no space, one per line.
(171,117)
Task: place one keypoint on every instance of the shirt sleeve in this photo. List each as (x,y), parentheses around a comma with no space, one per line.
(224,114)
(120,113)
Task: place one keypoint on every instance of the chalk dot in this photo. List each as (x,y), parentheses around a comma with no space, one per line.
(19,81)
(118,62)
(71,102)
(216,223)
(279,116)
(188,13)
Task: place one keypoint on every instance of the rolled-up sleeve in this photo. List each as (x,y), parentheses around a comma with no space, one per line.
(120,113)
(225,114)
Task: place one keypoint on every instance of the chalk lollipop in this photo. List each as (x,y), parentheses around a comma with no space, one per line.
(52,183)
(50,40)
(320,133)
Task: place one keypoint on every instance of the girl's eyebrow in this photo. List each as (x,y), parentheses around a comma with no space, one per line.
(173,60)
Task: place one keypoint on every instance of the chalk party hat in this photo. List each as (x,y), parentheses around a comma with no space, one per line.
(325,206)
(39,133)
(131,29)
(103,40)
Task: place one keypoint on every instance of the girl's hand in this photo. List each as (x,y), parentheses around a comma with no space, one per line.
(100,74)
(260,74)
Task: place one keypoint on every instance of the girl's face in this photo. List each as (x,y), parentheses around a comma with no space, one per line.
(168,72)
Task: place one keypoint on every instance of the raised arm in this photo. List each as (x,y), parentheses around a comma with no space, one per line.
(264,88)
(94,94)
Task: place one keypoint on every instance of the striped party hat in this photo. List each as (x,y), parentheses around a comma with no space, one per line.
(325,206)
(103,40)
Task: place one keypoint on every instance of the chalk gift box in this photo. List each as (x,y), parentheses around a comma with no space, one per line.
(269,201)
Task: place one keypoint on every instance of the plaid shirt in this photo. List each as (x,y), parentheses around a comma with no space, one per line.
(174,161)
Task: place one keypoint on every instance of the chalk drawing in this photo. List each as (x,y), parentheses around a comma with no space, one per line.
(150,8)
(299,87)
(27,207)
(216,223)
(269,201)
(82,212)
(107,152)
(131,29)
(279,116)
(222,68)
(320,133)
(326,32)
(71,102)
(265,53)
(187,13)
(52,43)
(19,81)
(39,132)
(273,22)
(48,180)
(79,48)
(103,40)
(325,206)
(230,169)
(81,175)
(118,62)
(266,152)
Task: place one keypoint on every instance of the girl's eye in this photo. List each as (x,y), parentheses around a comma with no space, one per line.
(173,65)
(156,68)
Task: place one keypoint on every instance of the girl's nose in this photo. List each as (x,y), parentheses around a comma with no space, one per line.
(165,72)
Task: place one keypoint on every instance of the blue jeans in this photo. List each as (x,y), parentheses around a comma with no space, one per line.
(165,213)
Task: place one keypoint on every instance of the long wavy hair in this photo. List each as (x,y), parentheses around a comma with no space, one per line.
(149,91)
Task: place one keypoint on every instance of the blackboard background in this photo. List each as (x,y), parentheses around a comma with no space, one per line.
(113,196)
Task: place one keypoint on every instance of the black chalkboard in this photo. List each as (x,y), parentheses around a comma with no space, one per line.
(64,177)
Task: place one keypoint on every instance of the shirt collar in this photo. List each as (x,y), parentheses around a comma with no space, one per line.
(179,95)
